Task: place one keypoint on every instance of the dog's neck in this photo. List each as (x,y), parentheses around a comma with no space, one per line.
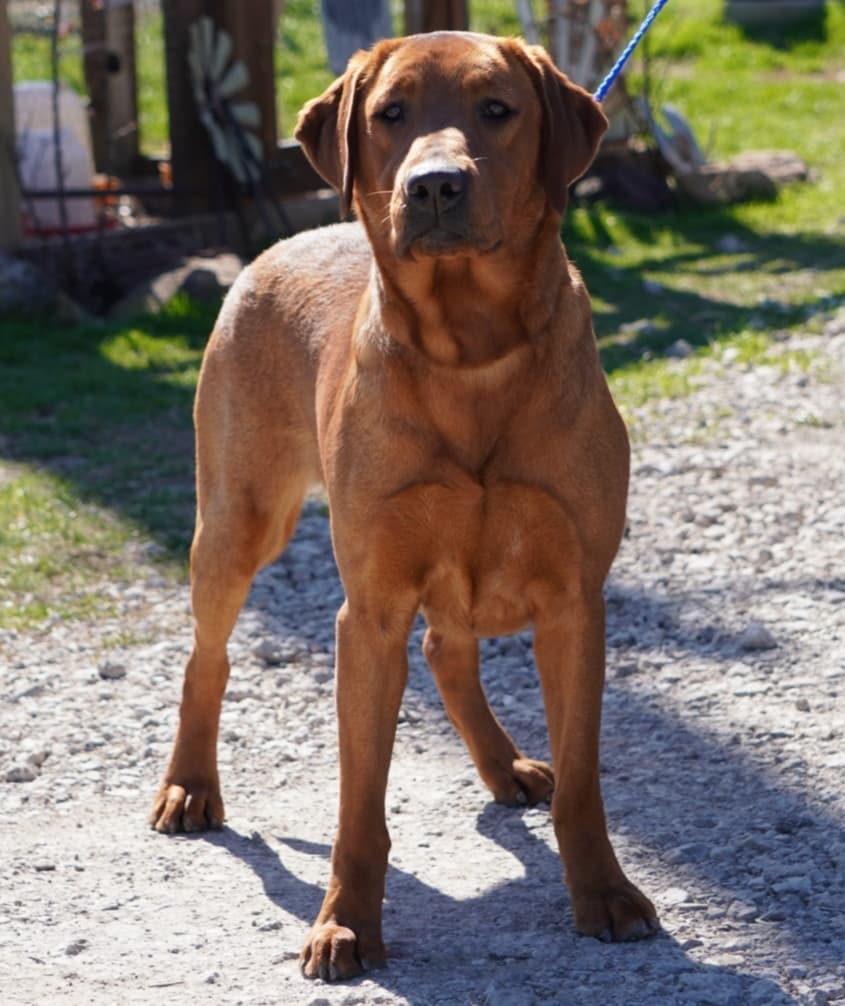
(472,310)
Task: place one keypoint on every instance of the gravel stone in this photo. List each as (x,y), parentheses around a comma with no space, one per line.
(22,773)
(110,671)
(756,637)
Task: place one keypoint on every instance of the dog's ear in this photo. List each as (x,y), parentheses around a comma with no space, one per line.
(573,123)
(327,130)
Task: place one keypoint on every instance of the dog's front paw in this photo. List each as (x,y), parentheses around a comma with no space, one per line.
(523,781)
(617,913)
(333,951)
(194,805)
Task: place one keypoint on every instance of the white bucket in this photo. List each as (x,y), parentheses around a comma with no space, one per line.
(37,158)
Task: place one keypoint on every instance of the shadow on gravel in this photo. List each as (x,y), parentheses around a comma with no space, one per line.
(492,943)
(728,820)
(720,818)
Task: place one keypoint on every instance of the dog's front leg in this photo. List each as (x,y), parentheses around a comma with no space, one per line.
(569,650)
(371,674)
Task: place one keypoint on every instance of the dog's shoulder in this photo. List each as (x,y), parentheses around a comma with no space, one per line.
(300,277)
(335,247)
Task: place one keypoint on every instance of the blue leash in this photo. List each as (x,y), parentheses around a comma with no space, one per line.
(617,67)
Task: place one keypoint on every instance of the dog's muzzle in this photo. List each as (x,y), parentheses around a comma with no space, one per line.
(436,207)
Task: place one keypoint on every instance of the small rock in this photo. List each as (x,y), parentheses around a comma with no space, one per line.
(674,896)
(76,947)
(756,637)
(725,960)
(22,773)
(730,244)
(679,350)
(815,997)
(793,885)
(211,978)
(202,284)
(508,995)
(761,993)
(268,651)
(788,824)
(23,287)
(642,326)
(743,911)
(111,671)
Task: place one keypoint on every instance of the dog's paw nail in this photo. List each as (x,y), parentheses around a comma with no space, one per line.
(521,797)
(606,936)
(332,973)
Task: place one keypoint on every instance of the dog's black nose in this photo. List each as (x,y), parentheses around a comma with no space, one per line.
(436,188)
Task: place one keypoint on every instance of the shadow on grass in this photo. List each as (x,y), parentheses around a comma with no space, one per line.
(791,33)
(623,294)
(106,408)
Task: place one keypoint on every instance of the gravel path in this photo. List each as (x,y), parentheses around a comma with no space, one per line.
(723,759)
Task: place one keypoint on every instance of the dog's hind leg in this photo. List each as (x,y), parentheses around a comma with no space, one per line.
(511,777)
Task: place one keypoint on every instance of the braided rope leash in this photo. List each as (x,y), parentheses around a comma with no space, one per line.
(617,67)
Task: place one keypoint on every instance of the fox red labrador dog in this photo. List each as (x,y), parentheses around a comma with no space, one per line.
(436,368)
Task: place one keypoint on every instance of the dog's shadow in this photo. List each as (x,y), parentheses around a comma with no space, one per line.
(518,932)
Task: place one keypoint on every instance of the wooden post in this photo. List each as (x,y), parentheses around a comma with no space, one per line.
(108,36)
(191,155)
(436,15)
(253,28)
(10,196)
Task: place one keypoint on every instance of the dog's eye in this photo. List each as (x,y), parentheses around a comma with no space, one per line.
(496,110)
(391,113)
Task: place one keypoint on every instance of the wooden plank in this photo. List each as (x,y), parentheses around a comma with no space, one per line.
(252,28)
(191,157)
(436,15)
(10,199)
(290,172)
(108,35)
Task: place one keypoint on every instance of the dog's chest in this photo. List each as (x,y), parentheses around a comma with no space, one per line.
(492,558)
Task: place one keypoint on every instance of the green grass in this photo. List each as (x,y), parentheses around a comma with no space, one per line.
(96,478)
(96,465)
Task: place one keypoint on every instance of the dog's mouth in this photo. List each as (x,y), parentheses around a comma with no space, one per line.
(440,242)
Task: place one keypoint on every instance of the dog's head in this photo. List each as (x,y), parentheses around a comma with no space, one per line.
(446,143)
